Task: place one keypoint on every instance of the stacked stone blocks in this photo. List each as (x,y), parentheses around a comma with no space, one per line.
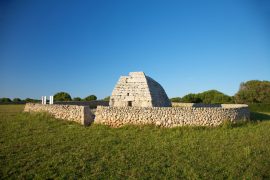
(138,90)
(79,114)
(171,117)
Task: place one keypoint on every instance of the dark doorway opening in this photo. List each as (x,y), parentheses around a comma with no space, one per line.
(130,103)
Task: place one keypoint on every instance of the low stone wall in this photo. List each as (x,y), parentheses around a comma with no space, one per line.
(171,117)
(80,114)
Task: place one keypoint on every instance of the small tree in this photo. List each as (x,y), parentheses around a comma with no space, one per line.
(176,99)
(90,98)
(191,98)
(214,97)
(17,100)
(107,98)
(29,100)
(62,96)
(5,100)
(77,99)
(253,91)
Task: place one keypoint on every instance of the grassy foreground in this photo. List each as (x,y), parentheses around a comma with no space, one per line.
(38,146)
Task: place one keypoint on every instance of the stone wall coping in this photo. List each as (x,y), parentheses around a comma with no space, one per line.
(222,106)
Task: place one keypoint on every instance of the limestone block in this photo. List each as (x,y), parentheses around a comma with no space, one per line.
(137,88)
(80,114)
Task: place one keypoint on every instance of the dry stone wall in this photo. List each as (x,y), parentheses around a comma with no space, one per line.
(171,117)
(79,114)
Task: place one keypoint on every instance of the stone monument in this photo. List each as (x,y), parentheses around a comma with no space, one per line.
(138,90)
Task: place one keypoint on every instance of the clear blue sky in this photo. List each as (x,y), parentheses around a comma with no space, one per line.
(82,47)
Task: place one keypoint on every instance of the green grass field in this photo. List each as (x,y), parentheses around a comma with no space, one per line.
(38,146)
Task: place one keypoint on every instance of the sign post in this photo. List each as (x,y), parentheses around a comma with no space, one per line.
(51,99)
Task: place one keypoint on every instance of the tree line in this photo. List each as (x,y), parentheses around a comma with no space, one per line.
(64,96)
(17,100)
(250,92)
(60,96)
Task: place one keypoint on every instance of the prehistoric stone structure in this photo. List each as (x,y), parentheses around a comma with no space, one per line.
(138,90)
(138,99)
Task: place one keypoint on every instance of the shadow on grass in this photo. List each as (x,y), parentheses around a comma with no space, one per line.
(257,116)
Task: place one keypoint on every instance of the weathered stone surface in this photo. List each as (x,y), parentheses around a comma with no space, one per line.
(138,90)
(80,114)
(171,117)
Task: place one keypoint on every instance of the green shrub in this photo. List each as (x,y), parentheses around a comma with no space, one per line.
(62,96)
(106,98)
(259,107)
(90,98)
(77,99)
(214,97)
(191,98)
(207,97)
(253,91)
(176,99)
(17,100)
(31,100)
(5,100)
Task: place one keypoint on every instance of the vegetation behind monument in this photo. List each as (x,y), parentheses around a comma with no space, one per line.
(62,96)
(253,92)
(250,92)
